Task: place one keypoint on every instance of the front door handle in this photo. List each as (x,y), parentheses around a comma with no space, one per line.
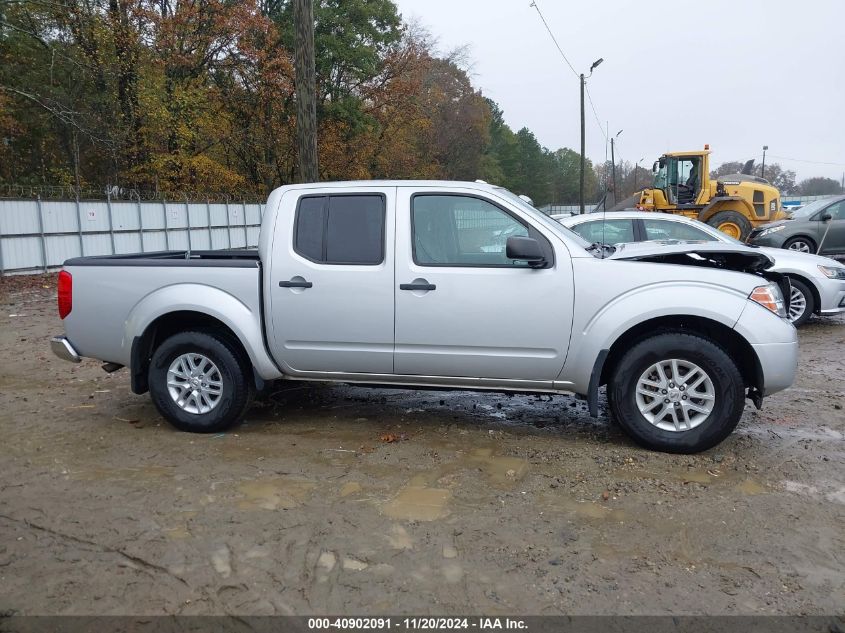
(417,286)
(295,284)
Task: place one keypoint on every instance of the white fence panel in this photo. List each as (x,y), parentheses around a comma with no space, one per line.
(37,235)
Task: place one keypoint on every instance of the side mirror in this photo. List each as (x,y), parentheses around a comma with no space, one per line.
(525,249)
(826,217)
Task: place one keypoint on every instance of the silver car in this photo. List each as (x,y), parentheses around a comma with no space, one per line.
(818,283)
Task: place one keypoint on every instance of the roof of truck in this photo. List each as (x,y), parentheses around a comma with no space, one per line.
(395,183)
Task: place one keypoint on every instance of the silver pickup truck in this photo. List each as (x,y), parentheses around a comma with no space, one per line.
(451,285)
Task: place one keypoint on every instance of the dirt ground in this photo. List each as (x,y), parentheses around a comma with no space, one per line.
(344,500)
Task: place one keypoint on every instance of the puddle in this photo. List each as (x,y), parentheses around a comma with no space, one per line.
(419,503)
(350,488)
(751,487)
(177,533)
(585,509)
(274,494)
(500,469)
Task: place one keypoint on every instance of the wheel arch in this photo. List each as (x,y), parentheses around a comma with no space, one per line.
(725,337)
(817,299)
(726,203)
(170,323)
(802,236)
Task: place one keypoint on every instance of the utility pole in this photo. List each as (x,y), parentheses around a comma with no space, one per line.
(305,83)
(583,135)
(613,165)
(636,169)
(613,168)
(763,167)
(583,160)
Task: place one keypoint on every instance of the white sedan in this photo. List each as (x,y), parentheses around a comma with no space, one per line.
(818,283)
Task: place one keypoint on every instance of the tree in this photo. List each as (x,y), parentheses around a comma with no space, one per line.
(819,186)
(783,179)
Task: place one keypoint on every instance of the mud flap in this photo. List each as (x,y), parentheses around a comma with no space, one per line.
(595,383)
(756,397)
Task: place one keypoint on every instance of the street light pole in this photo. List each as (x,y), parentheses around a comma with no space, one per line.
(763,168)
(636,169)
(583,81)
(613,165)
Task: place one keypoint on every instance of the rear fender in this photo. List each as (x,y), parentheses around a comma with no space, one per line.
(244,322)
(726,203)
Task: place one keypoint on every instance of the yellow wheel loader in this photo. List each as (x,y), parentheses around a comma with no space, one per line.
(734,204)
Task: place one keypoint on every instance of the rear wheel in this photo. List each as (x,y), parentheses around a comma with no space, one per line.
(801,303)
(199,382)
(677,393)
(800,244)
(731,223)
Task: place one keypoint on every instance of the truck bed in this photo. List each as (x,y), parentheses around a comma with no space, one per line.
(115,297)
(231,258)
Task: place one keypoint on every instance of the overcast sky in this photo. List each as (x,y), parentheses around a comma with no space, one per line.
(677,74)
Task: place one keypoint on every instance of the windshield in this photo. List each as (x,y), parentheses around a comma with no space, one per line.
(542,217)
(809,209)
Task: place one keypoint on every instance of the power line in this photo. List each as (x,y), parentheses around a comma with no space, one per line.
(814,162)
(554,39)
(592,105)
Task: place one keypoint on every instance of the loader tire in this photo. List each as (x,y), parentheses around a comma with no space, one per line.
(731,223)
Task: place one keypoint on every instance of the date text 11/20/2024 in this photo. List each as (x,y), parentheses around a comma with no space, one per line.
(417,624)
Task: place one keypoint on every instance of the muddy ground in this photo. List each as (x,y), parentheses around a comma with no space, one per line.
(335,499)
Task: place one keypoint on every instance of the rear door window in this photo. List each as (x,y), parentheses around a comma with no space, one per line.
(341,229)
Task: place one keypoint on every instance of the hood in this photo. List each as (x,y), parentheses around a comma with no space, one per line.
(702,254)
(785,256)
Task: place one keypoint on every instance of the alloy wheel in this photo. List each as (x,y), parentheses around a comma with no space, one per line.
(675,395)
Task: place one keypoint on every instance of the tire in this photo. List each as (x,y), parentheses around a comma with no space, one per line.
(705,430)
(802,304)
(731,223)
(800,244)
(219,408)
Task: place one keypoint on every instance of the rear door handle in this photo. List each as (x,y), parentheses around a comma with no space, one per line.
(295,284)
(417,286)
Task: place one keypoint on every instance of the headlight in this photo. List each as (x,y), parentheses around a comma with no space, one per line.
(770,297)
(772,229)
(833,272)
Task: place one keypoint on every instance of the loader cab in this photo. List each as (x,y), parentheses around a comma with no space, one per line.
(680,177)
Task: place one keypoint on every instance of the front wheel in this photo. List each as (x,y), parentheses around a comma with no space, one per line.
(800,244)
(677,392)
(801,303)
(199,382)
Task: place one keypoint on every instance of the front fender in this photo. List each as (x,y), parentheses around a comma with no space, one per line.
(660,299)
(242,319)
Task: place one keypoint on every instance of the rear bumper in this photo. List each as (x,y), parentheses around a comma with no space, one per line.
(779,362)
(63,349)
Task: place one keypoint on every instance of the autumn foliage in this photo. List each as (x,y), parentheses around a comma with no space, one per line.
(198,96)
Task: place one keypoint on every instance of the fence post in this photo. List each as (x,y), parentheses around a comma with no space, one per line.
(111,224)
(166,234)
(41,230)
(2,268)
(228,224)
(79,226)
(188,222)
(246,233)
(208,222)
(140,222)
